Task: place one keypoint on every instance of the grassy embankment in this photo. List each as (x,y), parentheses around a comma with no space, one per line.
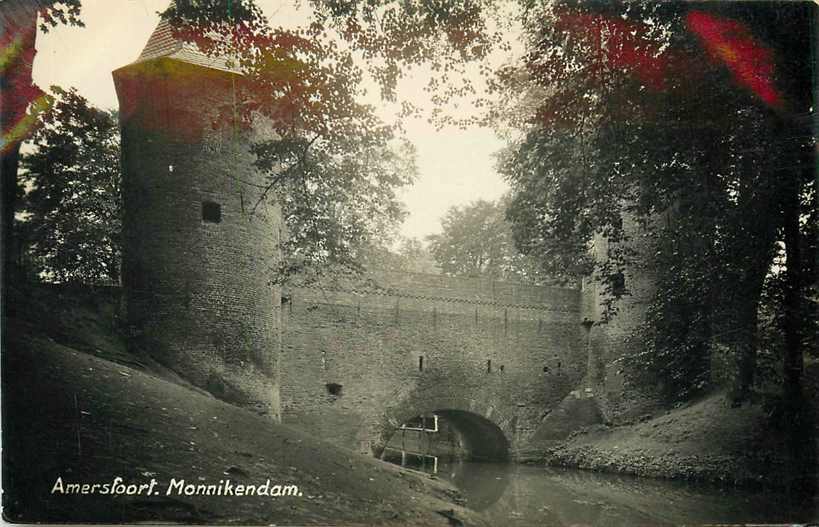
(79,407)
(707,439)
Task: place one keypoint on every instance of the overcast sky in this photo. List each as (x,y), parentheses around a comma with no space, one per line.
(456,166)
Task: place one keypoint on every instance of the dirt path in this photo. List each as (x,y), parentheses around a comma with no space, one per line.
(74,416)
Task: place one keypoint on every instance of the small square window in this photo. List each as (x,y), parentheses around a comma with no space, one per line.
(211,212)
(618,284)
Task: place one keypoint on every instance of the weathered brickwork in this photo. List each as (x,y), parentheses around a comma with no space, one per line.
(607,343)
(197,254)
(423,343)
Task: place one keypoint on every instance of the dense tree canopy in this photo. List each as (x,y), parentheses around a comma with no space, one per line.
(407,255)
(681,108)
(72,231)
(476,240)
(338,208)
(21,101)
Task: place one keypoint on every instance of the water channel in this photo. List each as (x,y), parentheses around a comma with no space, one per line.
(525,495)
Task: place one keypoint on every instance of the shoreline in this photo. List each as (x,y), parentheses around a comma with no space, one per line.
(705,441)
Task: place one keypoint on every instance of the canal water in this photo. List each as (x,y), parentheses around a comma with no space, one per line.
(525,495)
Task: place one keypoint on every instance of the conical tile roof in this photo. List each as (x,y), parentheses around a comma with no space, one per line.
(163,44)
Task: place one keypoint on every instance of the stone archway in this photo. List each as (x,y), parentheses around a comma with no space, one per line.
(483,438)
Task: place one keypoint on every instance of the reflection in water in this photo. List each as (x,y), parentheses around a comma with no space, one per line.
(524,495)
(414,460)
(448,443)
(481,483)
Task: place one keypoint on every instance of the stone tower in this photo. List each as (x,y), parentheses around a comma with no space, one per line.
(607,343)
(199,253)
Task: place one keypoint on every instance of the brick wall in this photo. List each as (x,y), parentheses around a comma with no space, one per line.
(606,343)
(369,338)
(198,292)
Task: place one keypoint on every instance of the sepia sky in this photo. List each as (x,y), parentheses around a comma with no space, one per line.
(455,166)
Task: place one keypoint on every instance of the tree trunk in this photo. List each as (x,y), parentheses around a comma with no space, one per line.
(803,156)
(746,336)
(755,258)
(798,413)
(793,362)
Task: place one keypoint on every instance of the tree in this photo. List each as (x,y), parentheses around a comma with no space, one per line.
(338,209)
(415,257)
(409,256)
(73,223)
(476,240)
(660,130)
(18,95)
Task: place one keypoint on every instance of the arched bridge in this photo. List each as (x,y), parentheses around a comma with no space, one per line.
(361,357)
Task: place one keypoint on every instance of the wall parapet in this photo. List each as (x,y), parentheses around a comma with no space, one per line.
(400,294)
(439,288)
